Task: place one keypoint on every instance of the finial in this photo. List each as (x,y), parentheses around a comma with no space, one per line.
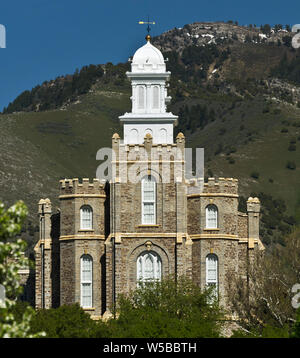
(148,37)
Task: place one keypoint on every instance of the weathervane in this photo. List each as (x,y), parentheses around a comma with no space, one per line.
(148,37)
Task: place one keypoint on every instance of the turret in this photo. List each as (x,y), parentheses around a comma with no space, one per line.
(253,209)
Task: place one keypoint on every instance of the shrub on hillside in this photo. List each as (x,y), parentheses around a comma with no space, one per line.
(291,165)
(254,175)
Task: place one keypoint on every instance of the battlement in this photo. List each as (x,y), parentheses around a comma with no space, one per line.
(168,151)
(158,152)
(73,186)
(222,185)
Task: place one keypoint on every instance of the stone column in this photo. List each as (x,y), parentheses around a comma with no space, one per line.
(43,285)
(253,209)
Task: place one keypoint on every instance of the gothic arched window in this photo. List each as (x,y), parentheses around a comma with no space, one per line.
(148,267)
(86,281)
(148,200)
(212,272)
(86,218)
(211,217)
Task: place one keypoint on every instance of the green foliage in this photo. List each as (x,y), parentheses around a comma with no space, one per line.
(254,175)
(288,69)
(67,321)
(266,332)
(194,117)
(291,165)
(12,259)
(274,222)
(292,147)
(242,206)
(296,328)
(265,29)
(167,310)
(53,94)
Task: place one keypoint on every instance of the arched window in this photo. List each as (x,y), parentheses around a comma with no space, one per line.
(155,97)
(148,267)
(141,97)
(163,135)
(86,281)
(86,218)
(133,136)
(211,217)
(212,272)
(148,200)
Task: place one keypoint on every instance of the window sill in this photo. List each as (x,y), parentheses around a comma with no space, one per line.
(216,229)
(84,230)
(88,308)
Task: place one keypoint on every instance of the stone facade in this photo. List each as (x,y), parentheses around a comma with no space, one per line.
(91,251)
(179,237)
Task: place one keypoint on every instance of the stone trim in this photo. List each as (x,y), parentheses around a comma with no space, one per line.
(212,194)
(47,244)
(81,237)
(142,234)
(148,225)
(214,236)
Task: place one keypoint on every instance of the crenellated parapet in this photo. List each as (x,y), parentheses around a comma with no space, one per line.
(222,185)
(227,186)
(194,185)
(165,159)
(75,187)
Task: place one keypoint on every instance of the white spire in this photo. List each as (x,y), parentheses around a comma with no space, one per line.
(149,98)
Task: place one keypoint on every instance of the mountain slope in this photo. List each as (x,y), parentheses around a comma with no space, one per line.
(226,92)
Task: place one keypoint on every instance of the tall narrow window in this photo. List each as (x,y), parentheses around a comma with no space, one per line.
(155,97)
(86,218)
(163,135)
(141,97)
(211,217)
(133,136)
(148,200)
(148,267)
(212,273)
(86,273)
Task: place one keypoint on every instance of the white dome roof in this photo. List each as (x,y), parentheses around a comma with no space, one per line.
(148,59)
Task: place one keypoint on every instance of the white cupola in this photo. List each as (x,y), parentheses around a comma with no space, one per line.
(149,98)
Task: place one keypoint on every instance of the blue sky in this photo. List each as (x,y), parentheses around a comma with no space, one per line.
(46,39)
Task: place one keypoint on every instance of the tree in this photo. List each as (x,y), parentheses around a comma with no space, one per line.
(287,41)
(266,29)
(67,321)
(12,259)
(264,302)
(167,309)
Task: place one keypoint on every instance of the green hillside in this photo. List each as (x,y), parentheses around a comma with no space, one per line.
(234,98)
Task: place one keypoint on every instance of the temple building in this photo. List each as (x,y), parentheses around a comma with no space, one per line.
(111,234)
